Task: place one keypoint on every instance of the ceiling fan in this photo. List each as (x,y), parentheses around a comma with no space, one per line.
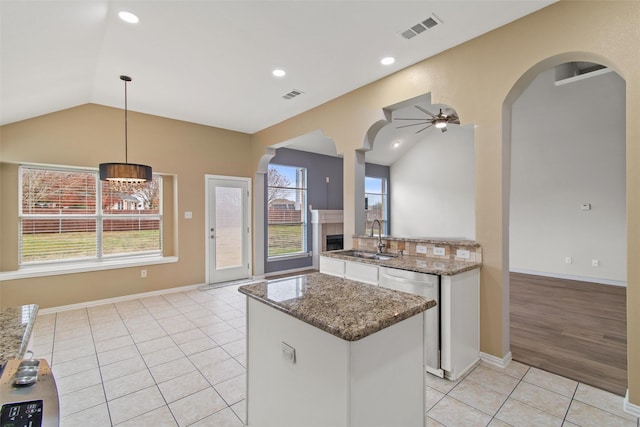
(439,120)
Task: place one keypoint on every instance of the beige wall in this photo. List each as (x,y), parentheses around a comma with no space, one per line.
(90,134)
(478,79)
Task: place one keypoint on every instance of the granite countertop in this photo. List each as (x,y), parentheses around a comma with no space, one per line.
(16,324)
(347,309)
(443,267)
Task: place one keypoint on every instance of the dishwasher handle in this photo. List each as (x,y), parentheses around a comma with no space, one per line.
(429,283)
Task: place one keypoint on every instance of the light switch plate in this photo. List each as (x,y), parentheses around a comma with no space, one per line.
(438,251)
(421,249)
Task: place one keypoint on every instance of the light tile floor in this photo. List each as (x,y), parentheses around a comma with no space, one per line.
(178,359)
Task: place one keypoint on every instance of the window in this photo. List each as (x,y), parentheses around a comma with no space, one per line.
(377,201)
(286,210)
(70,215)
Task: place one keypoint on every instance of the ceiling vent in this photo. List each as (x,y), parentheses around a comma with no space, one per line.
(292,94)
(421,27)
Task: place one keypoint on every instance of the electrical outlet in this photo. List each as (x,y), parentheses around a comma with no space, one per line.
(595,263)
(288,352)
(568,260)
(463,253)
(143,274)
(438,251)
(421,249)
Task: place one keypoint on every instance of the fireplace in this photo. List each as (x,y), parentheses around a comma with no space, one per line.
(328,232)
(334,242)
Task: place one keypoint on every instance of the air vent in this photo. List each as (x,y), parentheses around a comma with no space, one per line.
(292,94)
(421,27)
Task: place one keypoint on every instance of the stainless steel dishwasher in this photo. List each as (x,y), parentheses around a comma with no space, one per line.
(426,285)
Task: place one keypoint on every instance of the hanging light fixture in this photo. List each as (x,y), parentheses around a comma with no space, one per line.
(441,121)
(125,176)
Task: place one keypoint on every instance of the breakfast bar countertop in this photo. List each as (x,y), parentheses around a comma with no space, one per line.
(16,324)
(345,308)
(443,267)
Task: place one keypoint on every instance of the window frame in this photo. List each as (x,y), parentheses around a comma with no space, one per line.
(304,224)
(385,203)
(99,216)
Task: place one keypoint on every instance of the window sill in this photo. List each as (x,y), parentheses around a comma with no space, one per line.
(56,270)
(287,257)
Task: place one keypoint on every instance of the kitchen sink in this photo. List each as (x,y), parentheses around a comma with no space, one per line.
(366,255)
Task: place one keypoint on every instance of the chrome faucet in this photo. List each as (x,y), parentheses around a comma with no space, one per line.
(380,244)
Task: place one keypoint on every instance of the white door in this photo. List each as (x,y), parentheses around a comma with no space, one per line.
(228,230)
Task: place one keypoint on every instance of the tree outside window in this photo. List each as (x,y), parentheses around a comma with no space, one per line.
(286,210)
(70,215)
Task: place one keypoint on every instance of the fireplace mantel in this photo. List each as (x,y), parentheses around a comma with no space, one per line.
(325,222)
(327,216)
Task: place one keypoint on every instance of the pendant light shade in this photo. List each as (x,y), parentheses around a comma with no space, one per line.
(125,172)
(125,176)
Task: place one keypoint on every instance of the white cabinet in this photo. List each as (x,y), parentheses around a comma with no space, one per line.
(331,266)
(374,381)
(460,323)
(459,317)
(361,272)
(353,270)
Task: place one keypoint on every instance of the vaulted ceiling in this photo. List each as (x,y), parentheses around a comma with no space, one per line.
(211,62)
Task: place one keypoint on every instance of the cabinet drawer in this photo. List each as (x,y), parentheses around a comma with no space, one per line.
(332,266)
(361,272)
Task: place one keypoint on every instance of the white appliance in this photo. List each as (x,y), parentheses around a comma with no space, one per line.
(426,285)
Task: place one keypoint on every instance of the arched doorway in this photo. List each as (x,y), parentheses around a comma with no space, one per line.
(567,142)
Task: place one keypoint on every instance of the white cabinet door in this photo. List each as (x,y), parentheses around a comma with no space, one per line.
(332,266)
(460,323)
(361,272)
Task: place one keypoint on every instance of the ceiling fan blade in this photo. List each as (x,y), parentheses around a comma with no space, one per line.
(400,118)
(425,111)
(425,128)
(412,124)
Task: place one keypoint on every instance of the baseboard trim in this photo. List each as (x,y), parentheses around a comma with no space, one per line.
(210,286)
(570,277)
(629,407)
(496,361)
(87,304)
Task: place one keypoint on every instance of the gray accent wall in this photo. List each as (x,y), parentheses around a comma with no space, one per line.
(320,194)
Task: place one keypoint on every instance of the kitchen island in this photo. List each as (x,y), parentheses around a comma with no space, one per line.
(327,351)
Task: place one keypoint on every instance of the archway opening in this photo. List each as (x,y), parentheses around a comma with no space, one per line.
(567,221)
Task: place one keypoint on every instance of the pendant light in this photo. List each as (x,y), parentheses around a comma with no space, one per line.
(125,176)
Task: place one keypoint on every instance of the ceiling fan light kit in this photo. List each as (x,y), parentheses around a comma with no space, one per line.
(125,176)
(439,121)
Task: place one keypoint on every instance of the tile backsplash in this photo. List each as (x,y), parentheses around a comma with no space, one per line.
(455,250)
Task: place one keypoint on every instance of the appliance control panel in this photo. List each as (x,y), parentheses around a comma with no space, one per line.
(28,394)
(22,414)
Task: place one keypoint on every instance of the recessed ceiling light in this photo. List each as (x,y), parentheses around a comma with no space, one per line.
(388,60)
(279,73)
(128,17)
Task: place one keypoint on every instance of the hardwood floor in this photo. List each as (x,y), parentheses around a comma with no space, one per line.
(571,328)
